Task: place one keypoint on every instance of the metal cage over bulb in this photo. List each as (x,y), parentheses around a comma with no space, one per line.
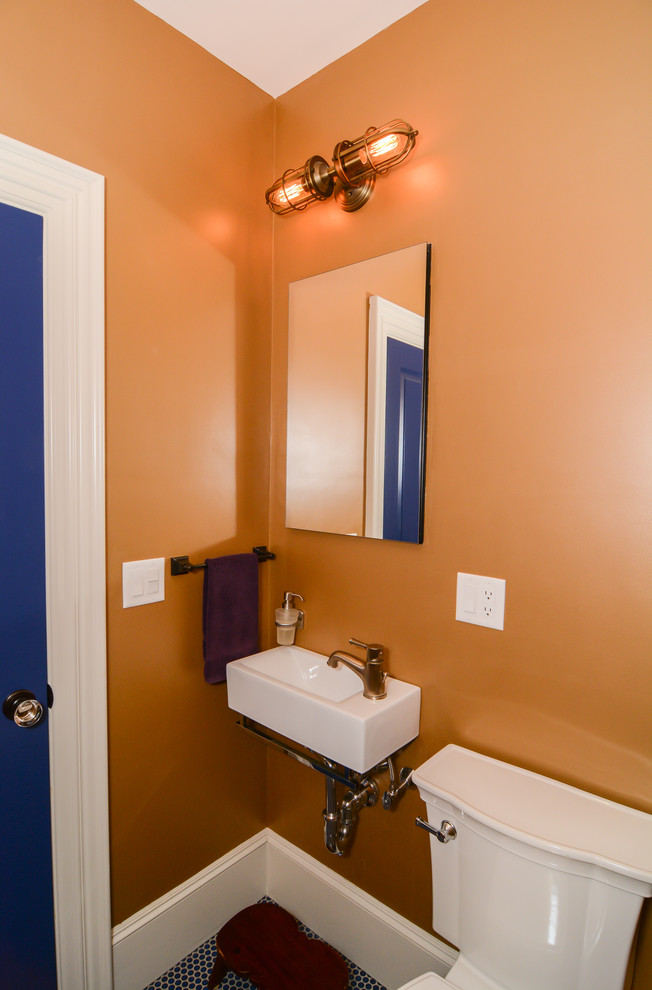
(299,187)
(357,163)
(352,175)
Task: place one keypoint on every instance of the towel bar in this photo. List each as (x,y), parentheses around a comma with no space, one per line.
(182,565)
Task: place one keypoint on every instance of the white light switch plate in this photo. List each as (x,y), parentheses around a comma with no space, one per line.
(143,582)
(481,600)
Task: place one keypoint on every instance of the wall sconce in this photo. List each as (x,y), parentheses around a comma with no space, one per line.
(351,177)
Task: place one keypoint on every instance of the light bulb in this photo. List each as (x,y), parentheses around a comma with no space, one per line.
(285,195)
(299,187)
(384,146)
(374,152)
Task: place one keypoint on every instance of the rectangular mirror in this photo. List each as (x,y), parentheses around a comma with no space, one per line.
(357,398)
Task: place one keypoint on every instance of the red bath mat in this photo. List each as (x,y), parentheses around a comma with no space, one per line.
(263,942)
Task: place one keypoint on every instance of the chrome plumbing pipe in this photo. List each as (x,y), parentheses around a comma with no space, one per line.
(340,822)
(352,804)
(395,790)
(331,817)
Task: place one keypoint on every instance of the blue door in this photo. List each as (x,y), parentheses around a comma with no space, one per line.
(403,442)
(27,945)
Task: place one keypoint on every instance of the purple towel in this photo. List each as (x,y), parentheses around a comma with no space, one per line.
(230,612)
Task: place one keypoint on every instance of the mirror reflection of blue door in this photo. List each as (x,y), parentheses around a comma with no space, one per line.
(403,438)
(27,942)
(395,447)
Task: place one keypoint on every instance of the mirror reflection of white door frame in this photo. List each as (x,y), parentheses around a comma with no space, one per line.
(386,320)
(71,201)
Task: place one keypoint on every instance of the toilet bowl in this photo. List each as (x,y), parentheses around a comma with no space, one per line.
(460,977)
(539,885)
(429,981)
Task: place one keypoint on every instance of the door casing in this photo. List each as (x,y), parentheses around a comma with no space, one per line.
(71,201)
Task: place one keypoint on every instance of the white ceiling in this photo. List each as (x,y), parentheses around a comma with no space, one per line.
(279,43)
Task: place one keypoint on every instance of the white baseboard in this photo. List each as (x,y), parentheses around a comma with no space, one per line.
(383,943)
(151,941)
(386,945)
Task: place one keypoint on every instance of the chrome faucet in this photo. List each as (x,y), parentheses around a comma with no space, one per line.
(370,671)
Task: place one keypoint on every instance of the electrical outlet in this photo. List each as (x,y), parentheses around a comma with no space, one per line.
(481,600)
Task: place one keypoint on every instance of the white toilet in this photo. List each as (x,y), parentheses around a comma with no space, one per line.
(538,884)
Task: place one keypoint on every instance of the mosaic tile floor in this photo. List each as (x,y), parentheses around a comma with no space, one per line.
(192,972)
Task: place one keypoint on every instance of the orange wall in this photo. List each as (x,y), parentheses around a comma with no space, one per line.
(529,179)
(105,84)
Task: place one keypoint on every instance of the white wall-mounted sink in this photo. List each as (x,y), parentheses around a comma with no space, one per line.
(292,691)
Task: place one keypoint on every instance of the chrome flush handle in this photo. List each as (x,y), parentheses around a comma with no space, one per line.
(444,833)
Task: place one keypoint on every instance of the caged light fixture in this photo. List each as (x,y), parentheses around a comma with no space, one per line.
(351,177)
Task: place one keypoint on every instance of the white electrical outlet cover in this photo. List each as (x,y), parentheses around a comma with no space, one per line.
(481,600)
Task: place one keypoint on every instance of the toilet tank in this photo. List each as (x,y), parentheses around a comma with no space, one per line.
(542,887)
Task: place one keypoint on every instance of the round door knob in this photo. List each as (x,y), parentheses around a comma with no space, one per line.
(23,708)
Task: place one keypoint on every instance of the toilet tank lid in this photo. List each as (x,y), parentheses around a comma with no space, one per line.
(541,811)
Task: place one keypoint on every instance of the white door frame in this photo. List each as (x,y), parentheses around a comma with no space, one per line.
(71,201)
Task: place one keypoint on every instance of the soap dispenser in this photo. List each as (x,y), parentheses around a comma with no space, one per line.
(288,619)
